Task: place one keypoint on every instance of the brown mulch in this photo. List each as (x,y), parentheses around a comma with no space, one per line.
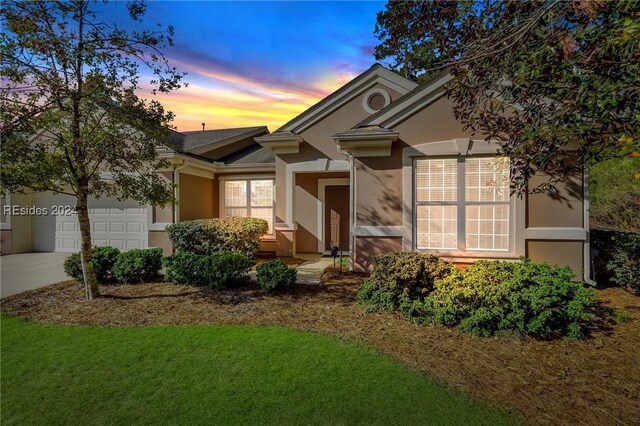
(593,381)
(291,261)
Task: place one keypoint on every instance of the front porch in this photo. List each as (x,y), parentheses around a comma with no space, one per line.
(320,214)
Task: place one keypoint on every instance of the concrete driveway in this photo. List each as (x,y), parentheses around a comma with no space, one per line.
(27,271)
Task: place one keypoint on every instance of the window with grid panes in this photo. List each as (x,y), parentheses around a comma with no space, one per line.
(250,198)
(484,204)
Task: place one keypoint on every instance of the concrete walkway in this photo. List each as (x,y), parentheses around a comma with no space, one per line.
(310,272)
(28,271)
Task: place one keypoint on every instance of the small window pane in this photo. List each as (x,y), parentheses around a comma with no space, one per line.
(437,180)
(437,227)
(264,213)
(487,179)
(262,193)
(487,227)
(235,193)
(235,213)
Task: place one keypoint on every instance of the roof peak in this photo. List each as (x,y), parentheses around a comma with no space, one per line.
(223,129)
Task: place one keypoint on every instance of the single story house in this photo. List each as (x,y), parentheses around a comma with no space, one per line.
(380,165)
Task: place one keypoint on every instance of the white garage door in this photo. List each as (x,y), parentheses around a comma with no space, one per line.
(120,224)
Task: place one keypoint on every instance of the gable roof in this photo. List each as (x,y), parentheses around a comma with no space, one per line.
(410,103)
(376,74)
(199,141)
(254,154)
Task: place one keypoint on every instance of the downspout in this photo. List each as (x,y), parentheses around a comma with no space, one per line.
(176,192)
(352,206)
(586,252)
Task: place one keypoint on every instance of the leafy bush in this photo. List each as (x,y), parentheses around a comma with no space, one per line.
(103,260)
(521,297)
(275,276)
(400,279)
(207,236)
(617,258)
(138,265)
(216,270)
(614,192)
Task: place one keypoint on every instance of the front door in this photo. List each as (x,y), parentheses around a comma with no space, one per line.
(336,216)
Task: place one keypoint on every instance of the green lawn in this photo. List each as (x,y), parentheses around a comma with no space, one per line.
(213,375)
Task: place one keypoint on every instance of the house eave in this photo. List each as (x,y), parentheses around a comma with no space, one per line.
(281,144)
(367,144)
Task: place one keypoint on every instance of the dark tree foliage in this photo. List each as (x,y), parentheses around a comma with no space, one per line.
(72,121)
(542,77)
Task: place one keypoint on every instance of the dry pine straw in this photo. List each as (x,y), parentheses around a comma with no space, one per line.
(593,381)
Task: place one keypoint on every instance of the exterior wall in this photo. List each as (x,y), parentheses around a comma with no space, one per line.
(378,189)
(318,144)
(164,214)
(564,253)
(6,241)
(21,226)
(196,197)
(383,207)
(160,239)
(368,247)
(561,209)
(548,227)
(318,140)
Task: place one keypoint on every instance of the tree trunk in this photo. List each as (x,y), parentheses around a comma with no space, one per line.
(90,280)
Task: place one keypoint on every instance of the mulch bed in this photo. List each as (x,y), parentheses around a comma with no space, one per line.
(291,261)
(593,381)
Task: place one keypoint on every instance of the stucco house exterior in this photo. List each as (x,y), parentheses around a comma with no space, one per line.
(380,165)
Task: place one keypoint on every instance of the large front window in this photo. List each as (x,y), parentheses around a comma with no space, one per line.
(462,204)
(249,198)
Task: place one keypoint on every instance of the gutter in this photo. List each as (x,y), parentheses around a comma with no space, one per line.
(352,206)
(586,252)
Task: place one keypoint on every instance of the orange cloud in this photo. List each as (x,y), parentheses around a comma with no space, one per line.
(230,100)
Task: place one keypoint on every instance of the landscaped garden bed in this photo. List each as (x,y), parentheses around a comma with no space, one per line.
(561,381)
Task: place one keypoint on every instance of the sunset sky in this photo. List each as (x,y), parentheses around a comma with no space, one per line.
(261,63)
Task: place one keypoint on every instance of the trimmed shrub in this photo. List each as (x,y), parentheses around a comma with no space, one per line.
(138,265)
(624,265)
(104,258)
(216,270)
(400,279)
(522,297)
(275,276)
(207,236)
(617,259)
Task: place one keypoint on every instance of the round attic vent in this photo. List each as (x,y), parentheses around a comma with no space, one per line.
(375,99)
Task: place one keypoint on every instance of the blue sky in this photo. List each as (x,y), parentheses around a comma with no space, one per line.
(254,63)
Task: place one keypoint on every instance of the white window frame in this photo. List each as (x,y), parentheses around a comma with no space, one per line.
(248,207)
(461,204)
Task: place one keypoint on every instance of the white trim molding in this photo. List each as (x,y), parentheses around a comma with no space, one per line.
(568,234)
(378,231)
(366,143)
(6,224)
(281,143)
